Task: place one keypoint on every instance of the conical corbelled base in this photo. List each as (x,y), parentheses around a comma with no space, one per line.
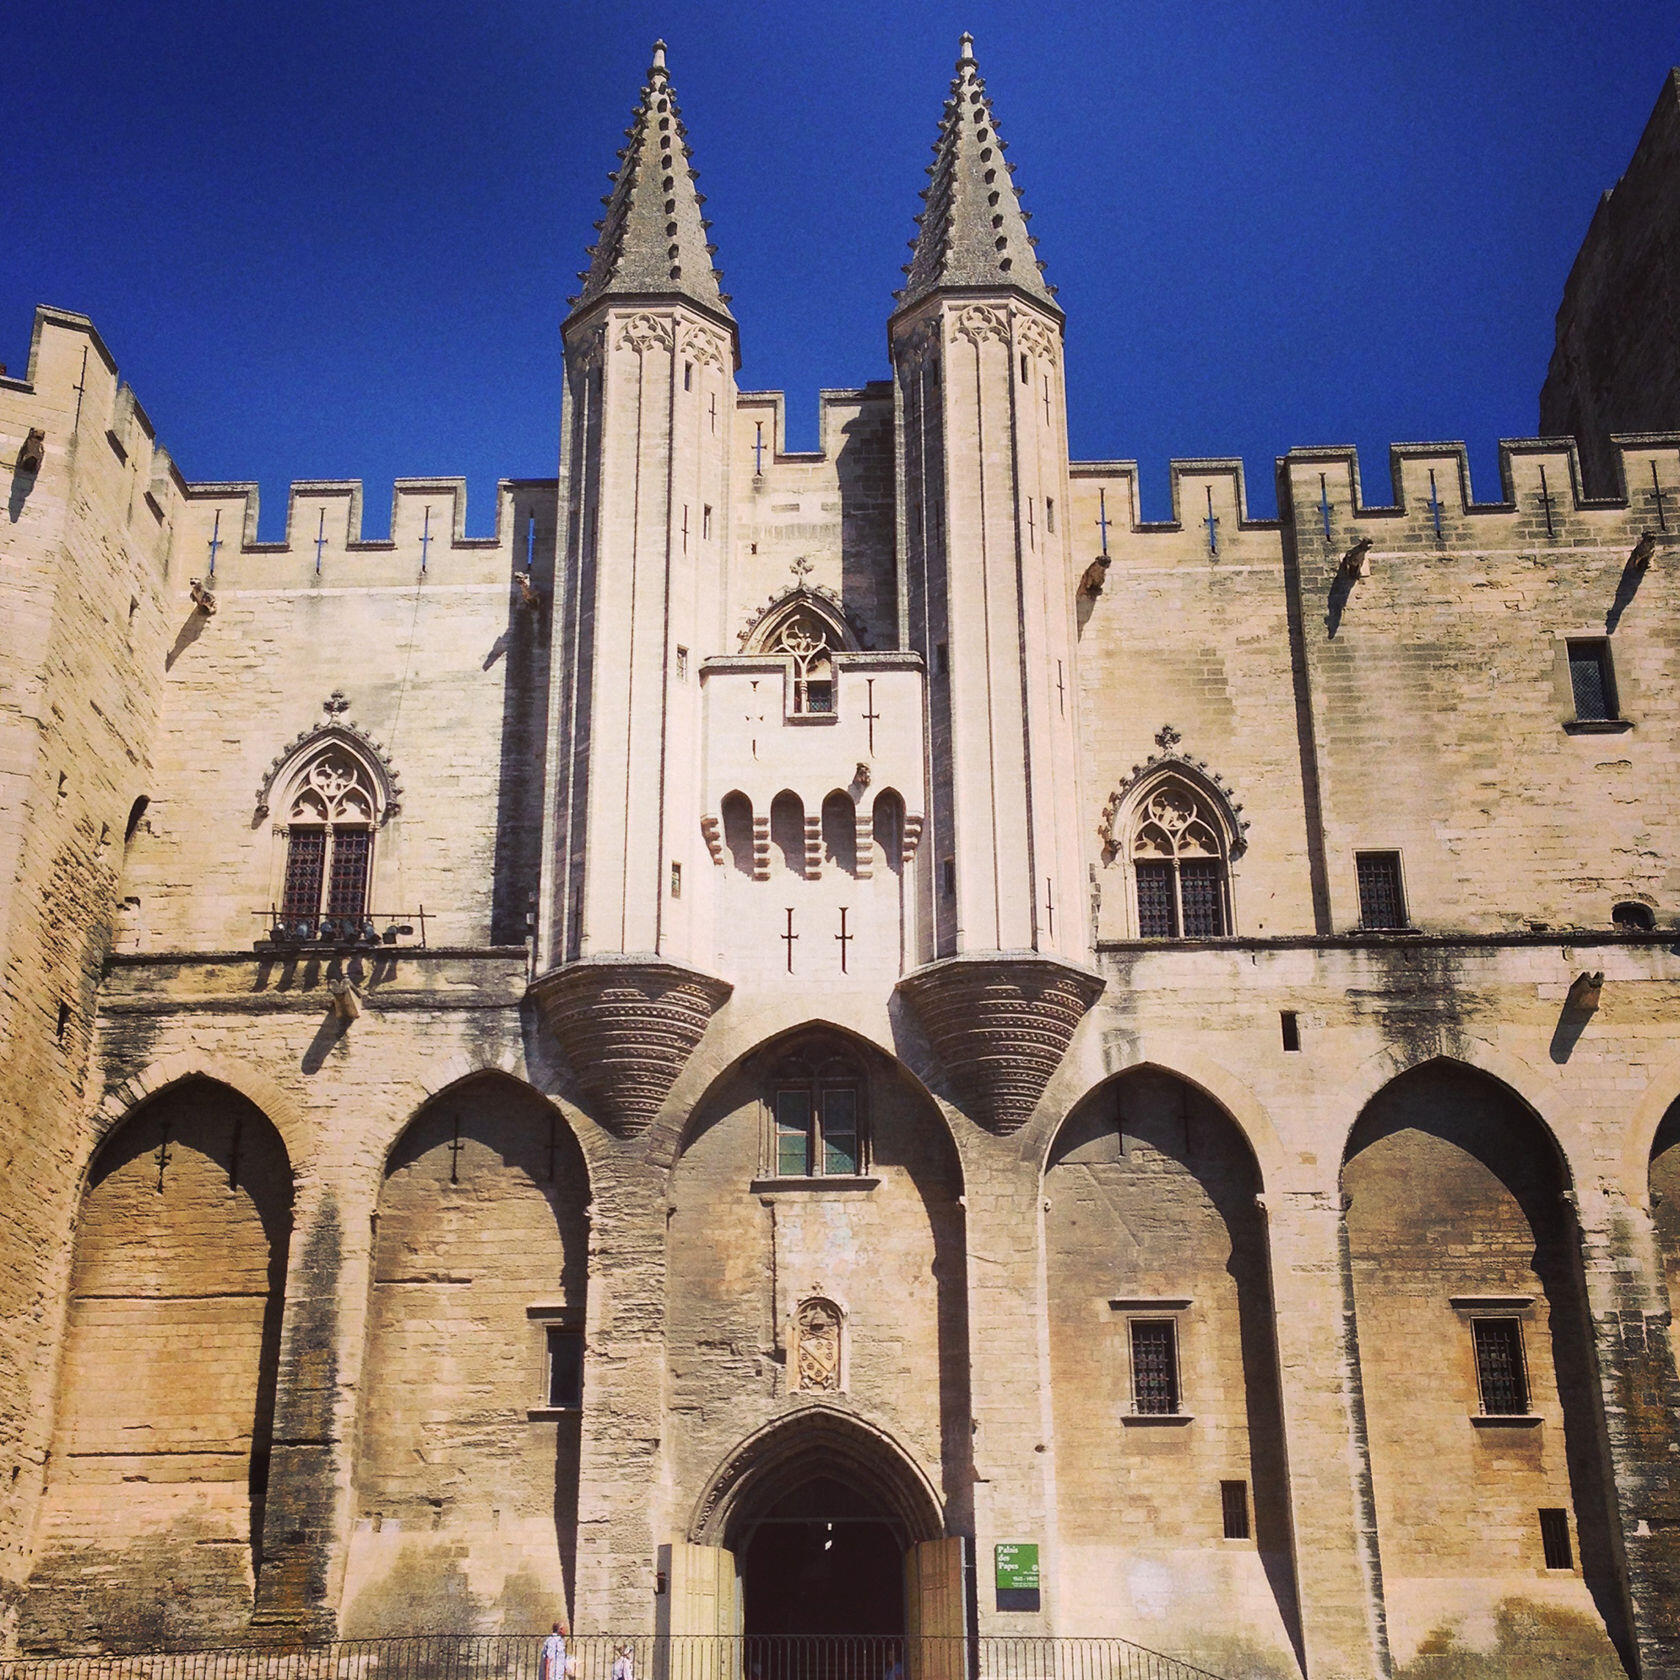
(628,1026)
(1001,1023)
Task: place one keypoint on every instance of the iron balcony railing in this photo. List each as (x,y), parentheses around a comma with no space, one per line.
(635,1657)
(370,931)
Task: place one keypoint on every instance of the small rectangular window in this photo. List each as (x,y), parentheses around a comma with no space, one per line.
(565,1367)
(942,659)
(793,1134)
(676,880)
(688,376)
(1590,679)
(1499,1367)
(1291,1029)
(948,870)
(1554,1538)
(1381,902)
(1154,1367)
(706,519)
(682,664)
(1026,375)
(1233,1499)
(1050,513)
(63,1021)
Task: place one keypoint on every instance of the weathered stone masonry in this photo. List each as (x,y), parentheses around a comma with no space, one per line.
(875,943)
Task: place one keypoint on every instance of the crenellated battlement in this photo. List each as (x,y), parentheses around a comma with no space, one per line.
(324,520)
(1543,503)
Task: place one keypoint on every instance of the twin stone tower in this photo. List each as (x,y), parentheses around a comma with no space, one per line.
(959,795)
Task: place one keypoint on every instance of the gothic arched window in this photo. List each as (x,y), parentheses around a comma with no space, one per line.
(816,1111)
(1179,865)
(332,810)
(803,637)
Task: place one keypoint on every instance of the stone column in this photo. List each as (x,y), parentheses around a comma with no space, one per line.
(306,1516)
(1009,1398)
(1627,1299)
(621,1481)
(1338,1571)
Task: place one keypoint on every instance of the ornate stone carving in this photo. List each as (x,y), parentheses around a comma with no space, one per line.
(816,1346)
(915,345)
(812,603)
(1000,1025)
(702,345)
(628,1026)
(588,348)
(355,745)
(1034,337)
(978,322)
(1198,784)
(646,332)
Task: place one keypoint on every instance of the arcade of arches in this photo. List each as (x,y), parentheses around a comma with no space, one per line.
(817,1353)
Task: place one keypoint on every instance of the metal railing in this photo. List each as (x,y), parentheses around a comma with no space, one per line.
(445,1656)
(373,930)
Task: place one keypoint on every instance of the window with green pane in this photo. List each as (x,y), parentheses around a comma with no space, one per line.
(817,1119)
(793,1132)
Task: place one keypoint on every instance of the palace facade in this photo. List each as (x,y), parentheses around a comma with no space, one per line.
(791,1020)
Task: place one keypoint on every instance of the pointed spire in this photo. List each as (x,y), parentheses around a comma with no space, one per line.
(653,238)
(973,231)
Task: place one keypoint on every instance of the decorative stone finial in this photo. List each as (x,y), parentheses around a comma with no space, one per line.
(965,49)
(658,65)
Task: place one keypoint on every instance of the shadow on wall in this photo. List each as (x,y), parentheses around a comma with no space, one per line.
(526,643)
(1462,1245)
(171,1356)
(1153,1231)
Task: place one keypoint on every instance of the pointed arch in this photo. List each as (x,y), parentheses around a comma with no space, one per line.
(817,1440)
(369,763)
(839,831)
(802,607)
(1177,832)
(168,1376)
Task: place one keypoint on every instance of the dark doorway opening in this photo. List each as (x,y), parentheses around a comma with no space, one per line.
(822,1561)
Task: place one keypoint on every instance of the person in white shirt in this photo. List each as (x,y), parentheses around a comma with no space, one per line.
(553,1663)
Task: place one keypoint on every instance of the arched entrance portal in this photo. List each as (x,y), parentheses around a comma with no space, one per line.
(822,1560)
(819,1525)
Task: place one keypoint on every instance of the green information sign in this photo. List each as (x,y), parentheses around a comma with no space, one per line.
(1017,1566)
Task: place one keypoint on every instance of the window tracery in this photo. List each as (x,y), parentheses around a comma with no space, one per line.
(331,812)
(804,638)
(1179,865)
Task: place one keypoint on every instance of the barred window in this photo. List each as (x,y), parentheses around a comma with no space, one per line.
(1233,1499)
(1554,1538)
(817,1120)
(1382,904)
(1591,681)
(1179,867)
(329,846)
(1500,1374)
(1154,1367)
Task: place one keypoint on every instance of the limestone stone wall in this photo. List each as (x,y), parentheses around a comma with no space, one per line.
(1152,1216)
(747,1247)
(154,1501)
(830,510)
(422,642)
(465,1476)
(85,569)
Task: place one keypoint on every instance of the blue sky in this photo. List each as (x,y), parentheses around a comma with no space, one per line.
(332,241)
